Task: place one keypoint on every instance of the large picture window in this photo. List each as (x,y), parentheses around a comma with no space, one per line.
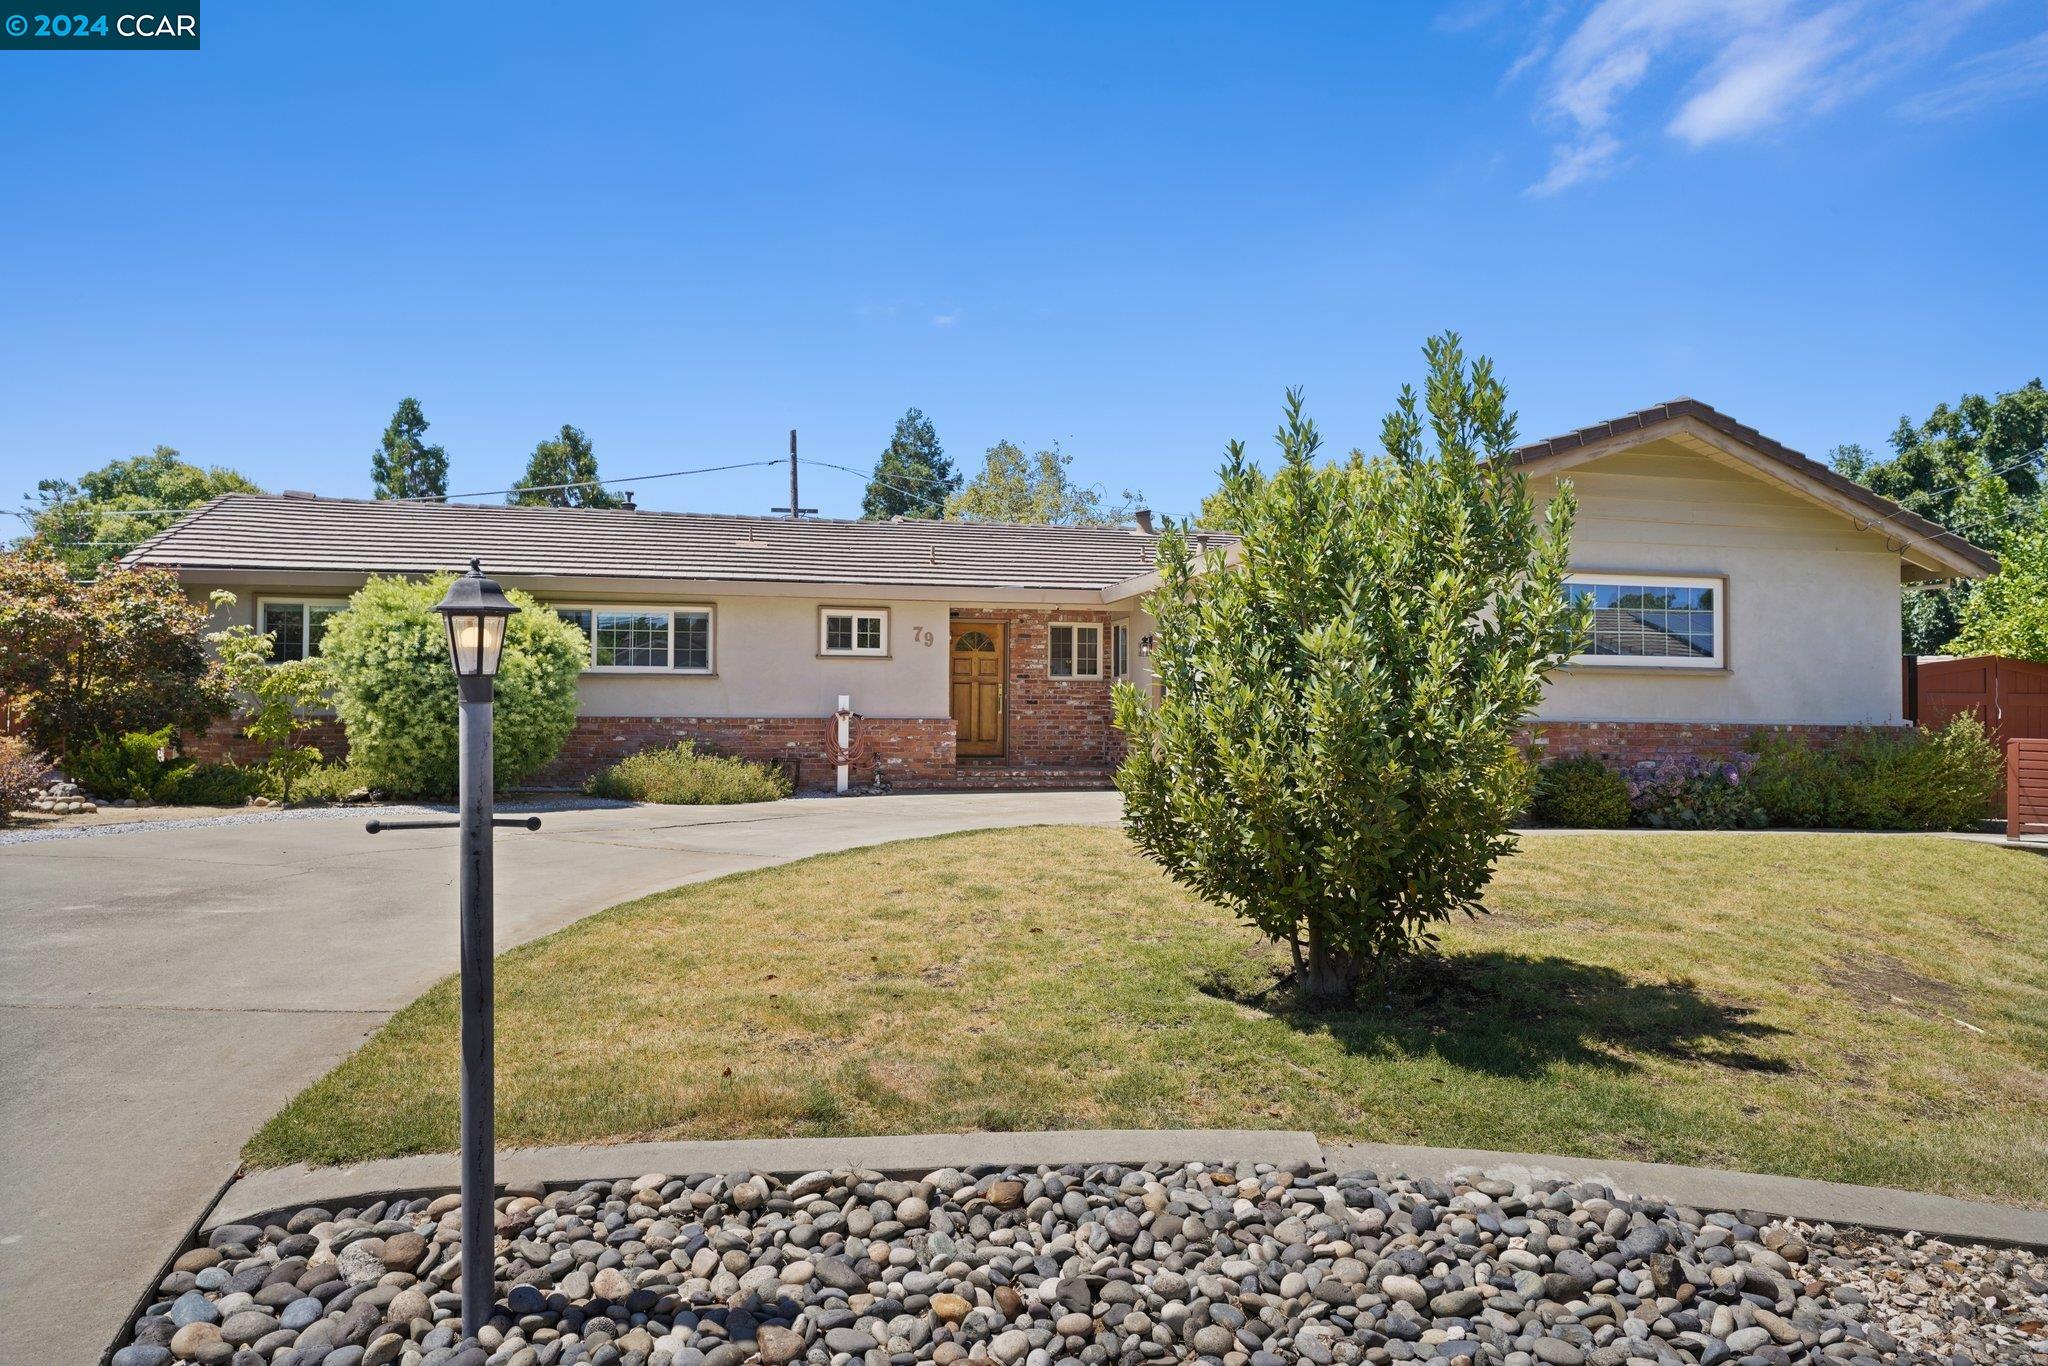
(295,627)
(1653,620)
(645,639)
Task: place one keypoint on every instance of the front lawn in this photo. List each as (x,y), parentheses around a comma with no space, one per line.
(1857,1008)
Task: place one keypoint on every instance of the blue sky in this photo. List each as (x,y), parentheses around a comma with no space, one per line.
(1125,228)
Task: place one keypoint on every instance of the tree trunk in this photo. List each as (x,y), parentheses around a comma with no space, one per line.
(1331,976)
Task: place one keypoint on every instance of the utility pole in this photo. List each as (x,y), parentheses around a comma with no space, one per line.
(796,508)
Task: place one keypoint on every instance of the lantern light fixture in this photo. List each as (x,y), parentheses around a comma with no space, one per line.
(475,611)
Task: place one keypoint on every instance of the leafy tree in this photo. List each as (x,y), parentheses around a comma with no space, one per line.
(2008,613)
(101,514)
(563,460)
(1977,469)
(1332,754)
(125,652)
(394,689)
(1219,511)
(913,478)
(1015,487)
(404,465)
(276,697)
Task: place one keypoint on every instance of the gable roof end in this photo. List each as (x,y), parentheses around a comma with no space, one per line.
(1942,548)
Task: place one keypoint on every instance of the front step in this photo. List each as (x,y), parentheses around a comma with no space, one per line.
(1040,777)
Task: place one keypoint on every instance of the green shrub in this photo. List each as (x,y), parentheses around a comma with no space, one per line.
(330,783)
(1581,793)
(116,767)
(208,785)
(394,690)
(682,777)
(1918,779)
(1797,786)
(1880,779)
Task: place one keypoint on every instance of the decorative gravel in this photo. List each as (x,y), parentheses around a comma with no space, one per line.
(1245,1266)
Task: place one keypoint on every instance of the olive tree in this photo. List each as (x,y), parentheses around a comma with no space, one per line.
(1331,755)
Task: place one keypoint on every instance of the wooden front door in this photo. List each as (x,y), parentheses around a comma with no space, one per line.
(977,661)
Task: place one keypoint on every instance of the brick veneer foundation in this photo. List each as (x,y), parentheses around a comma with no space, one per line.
(224,742)
(1062,724)
(912,752)
(1625,744)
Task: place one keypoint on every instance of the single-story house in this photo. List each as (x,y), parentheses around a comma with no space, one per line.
(1736,584)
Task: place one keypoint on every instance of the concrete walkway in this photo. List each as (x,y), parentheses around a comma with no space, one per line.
(165,990)
(1895,1211)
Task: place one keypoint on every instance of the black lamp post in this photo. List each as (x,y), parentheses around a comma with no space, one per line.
(476,611)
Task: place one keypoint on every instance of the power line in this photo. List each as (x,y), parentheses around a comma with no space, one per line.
(919,494)
(587,483)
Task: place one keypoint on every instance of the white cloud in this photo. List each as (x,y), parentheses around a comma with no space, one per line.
(1736,68)
(1986,79)
(1575,164)
(945,319)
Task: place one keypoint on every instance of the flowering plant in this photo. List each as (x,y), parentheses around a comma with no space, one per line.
(1692,793)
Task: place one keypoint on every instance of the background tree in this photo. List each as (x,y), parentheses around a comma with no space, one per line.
(1014,487)
(404,465)
(2007,614)
(125,652)
(1977,469)
(913,478)
(564,459)
(1332,756)
(98,517)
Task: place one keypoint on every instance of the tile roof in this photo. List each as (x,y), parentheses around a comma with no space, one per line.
(337,535)
(1644,418)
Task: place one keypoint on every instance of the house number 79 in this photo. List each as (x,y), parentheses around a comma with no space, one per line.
(922,635)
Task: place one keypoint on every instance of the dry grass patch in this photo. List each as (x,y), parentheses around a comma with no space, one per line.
(1849,1007)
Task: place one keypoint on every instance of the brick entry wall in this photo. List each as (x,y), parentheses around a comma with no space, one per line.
(1050,723)
(914,752)
(1625,744)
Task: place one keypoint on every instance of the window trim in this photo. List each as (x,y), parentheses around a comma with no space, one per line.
(591,666)
(305,606)
(1077,675)
(827,611)
(1714,664)
(1120,649)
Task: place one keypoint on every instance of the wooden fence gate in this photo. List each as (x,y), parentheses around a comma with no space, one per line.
(2010,696)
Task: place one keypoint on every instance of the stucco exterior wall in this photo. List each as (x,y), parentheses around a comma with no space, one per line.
(767,664)
(1812,603)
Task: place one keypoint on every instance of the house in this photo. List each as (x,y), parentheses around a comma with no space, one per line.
(1735,583)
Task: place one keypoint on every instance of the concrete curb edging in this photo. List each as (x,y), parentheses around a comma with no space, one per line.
(280,1188)
(261,1193)
(1878,1208)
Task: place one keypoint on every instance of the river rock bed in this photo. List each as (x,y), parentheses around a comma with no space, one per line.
(1243,1266)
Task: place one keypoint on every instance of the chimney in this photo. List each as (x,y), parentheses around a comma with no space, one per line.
(1144,516)
(629,505)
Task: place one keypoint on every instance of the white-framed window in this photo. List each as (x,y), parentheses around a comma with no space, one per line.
(853,630)
(1074,650)
(1653,621)
(645,639)
(295,625)
(1120,650)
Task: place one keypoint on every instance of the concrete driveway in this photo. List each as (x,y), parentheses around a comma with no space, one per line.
(164,991)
